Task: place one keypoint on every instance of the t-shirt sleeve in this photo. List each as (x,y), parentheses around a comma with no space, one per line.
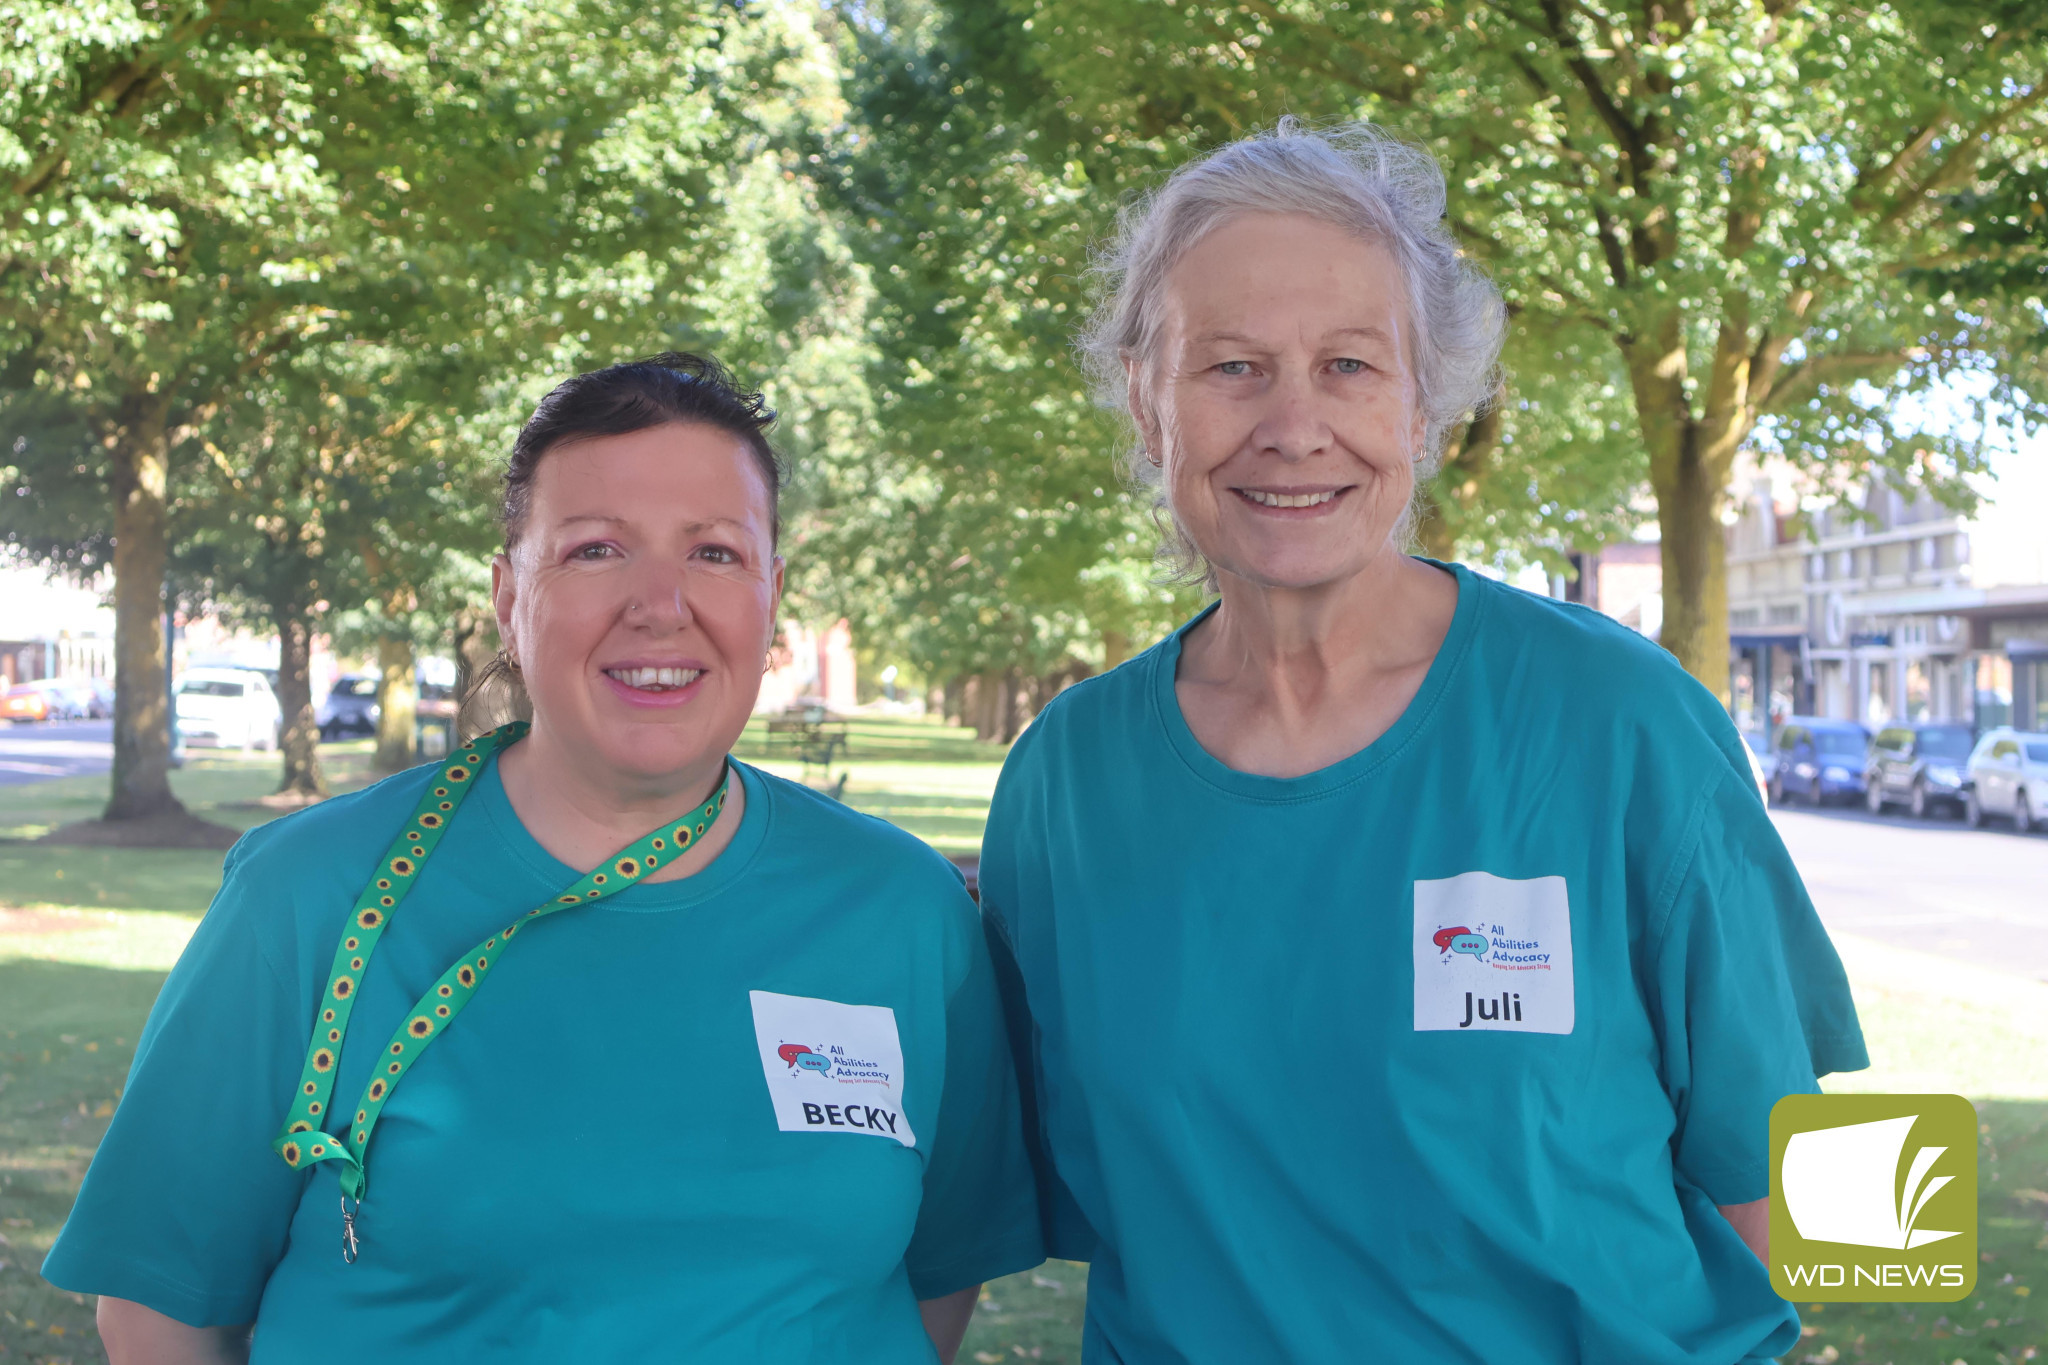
(185,1209)
(1748,993)
(1010,838)
(1064,1227)
(979,1216)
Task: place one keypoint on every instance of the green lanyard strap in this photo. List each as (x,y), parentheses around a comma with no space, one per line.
(303,1143)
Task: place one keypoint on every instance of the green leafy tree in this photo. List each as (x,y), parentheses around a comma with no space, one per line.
(991,540)
(151,157)
(344,244)
(1732,194)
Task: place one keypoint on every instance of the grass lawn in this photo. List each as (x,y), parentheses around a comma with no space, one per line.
(87,934)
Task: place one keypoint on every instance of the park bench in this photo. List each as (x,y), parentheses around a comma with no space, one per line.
(815,738)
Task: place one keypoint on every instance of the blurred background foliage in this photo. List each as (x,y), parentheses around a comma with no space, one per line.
(302,265)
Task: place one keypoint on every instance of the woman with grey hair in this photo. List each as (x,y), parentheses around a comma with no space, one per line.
(1402,966)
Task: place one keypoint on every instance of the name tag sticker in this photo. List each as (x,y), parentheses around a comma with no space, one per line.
(832,1068)
(1493,953)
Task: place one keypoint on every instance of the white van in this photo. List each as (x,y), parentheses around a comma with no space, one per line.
(228,708)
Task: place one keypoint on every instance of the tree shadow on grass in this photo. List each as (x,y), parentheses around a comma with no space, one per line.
(181,881)
(67,1036)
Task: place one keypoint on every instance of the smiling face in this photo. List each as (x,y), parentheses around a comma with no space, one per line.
(1281,400)
(639,600)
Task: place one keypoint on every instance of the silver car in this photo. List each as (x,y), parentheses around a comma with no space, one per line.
(2008,778)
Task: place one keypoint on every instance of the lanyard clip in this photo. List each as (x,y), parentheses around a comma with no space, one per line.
(349,1241)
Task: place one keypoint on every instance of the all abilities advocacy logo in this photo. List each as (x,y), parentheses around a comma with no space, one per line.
(1493,953)
(848,1078)
(1874,1198)
(829,1061)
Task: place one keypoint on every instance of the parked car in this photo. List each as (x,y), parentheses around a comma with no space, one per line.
(63,699)
(1758,773)
(1819,760)
(351,708)
(1920,765)
(228,707)
(24,701)
(99,694)
(2008,777)
(68,698)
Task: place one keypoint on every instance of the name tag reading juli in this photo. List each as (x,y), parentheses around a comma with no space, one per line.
(832,1068)
(1493,953)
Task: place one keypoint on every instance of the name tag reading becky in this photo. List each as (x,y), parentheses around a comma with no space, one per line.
(1493,953)
(832,1068)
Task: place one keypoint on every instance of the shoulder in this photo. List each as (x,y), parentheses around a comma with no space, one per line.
(1572,690)
(344,833)
(821,827)
(1568,657)
(286,886)
(1558,633)
(1082,715)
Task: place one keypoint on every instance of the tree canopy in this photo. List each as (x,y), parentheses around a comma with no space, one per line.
(278,280)
(1721,209)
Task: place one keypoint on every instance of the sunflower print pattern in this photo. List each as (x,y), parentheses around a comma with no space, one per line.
(446,998)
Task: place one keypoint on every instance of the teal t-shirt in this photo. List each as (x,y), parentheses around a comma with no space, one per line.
(604,1158)
(1445,1052)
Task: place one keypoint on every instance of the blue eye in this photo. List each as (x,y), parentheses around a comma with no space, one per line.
(1235,367)
(1349,366)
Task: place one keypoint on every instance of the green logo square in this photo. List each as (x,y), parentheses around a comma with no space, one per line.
(1874,1198)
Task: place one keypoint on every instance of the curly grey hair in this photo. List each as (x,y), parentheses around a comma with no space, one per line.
(1355,176)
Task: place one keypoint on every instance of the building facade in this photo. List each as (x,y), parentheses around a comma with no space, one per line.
(1897,609)
(50,628)
(1624,581)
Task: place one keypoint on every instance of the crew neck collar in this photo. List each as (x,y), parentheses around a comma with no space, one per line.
(1355,767)
(728,867)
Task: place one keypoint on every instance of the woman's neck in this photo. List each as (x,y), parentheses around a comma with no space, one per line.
(582,817)
(1283,681)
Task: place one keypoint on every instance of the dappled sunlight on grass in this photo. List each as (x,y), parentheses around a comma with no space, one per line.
(67,1036)
(932,781)
(86,934)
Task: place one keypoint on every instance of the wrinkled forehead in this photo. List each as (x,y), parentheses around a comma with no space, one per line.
(1279,277)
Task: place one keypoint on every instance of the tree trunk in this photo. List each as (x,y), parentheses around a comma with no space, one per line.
(1116,647)
(1690,461)
(988,723)
(300,745)
(1433,535)
(1462,481)
(1009,713)
(1695,559)
(397,699)
(476,644)
(142,721)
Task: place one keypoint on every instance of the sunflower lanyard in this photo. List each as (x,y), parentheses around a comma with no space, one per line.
(303,1144)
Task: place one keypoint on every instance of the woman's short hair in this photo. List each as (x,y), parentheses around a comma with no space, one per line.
(674,386)
(1355,176)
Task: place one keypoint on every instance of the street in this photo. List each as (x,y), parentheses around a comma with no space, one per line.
(62,748)
(1979,896)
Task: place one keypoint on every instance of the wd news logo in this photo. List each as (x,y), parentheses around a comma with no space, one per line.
(1874,1198)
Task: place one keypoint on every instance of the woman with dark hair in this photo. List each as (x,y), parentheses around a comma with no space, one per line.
(662,1058)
